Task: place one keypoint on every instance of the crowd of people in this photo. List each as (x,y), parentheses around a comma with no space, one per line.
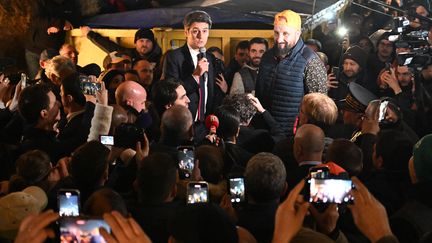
(277,116)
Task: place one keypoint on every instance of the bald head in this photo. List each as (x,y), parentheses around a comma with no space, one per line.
(176,122)
(308,143)
(130,93)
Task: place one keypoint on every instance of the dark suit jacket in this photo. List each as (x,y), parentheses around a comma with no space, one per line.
(75,132)
(178,64)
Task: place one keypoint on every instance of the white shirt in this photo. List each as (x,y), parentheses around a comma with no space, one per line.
(194,55)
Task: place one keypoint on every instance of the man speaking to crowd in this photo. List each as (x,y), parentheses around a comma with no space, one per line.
(288,71)
(192,65)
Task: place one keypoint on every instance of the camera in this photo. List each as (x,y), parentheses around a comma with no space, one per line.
(68,202)
(197,192)
(127,135)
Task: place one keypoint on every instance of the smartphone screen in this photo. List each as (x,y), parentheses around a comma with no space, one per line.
(382,110)
(23,81)
(90,88)
(330,191)
(197,192)
(68,203)
(106,140)
(78,229)
(237,189)
(319,172)
(186,159)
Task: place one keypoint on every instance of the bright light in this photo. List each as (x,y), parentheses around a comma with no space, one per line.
(342,31)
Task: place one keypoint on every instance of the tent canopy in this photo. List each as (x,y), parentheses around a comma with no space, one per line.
(226,14)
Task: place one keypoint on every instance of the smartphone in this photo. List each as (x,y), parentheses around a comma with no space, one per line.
(388,67)
(330,191)
(24,79)
(106,140)
(335,71)
(68,202)
(186,160)
(237,189)
(382,110)
(197,192)
(80,229)
(90,88)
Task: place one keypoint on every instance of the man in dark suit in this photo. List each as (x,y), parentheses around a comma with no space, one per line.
(195,68)
(73,132)
(308,149)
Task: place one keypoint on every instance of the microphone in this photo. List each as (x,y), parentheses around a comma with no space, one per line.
(212,123)
(202,54)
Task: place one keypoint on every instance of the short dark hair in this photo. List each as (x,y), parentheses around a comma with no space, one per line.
(258,40)
(210,163)
(229,121)
(346,154)
(33,169)
(72,86)
(156,177)
(110,200)
(265,177)
(164,93)
(244,44)
(202,222)
(395,148)
(88,164)
(132,71)
(215,49)
(196,16)
(32,101)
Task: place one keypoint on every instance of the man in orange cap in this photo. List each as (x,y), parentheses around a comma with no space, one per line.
(288,71)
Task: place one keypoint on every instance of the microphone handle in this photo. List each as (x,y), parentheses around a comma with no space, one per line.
(205,76)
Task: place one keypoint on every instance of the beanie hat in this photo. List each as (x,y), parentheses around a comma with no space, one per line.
(15,206)
(144,33)
(357,54)
(288,18)
(422,154)
(314,42)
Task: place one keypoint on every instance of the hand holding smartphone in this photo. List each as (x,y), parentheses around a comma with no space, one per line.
(336,72)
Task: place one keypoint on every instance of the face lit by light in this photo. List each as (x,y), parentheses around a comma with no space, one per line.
(285,37)
(197,35)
